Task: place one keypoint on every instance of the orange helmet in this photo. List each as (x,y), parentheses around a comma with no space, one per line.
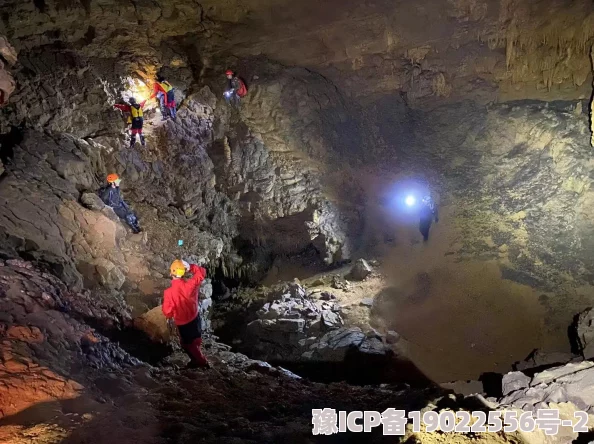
(177,269)
(111,178)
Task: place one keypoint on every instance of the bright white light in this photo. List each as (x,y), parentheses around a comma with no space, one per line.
(410,200)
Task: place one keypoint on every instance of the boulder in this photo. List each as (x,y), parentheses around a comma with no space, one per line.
(360,270)
(334,345)
(571,384)
(392,337)
(325,296)
(154,324)
(553,374)
(110,275)
(514,381)
(372,346)
(92,201)
(367,302)
(373,333)
(331,320)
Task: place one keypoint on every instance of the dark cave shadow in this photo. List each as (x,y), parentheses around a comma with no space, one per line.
(8,141)
(40,412)
(361,369)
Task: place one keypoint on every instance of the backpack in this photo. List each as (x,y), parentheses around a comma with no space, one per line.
(242,91)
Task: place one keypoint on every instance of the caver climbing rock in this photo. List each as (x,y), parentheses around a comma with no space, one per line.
(110,195)
(428,211)
(180,303)
(164,92)
(135,110)
(235,90)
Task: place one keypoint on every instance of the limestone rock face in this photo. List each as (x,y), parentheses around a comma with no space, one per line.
(7,83)
(43,337)
(185,178)
(428,50)
(109,274)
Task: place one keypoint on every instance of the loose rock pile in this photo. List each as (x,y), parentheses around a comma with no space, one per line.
(296,327)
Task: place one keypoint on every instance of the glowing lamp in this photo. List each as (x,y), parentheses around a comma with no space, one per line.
(410,201)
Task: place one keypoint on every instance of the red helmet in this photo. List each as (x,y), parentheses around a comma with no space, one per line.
(228,72)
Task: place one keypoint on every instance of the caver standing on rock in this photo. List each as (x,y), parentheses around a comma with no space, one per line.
(428,211)
(180,303)
(235,90)
(135,110)
(164,92)
(110,195)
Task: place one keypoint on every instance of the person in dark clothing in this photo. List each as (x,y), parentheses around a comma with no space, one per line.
(428,211)
(137,116)
(235,90)
(110,195)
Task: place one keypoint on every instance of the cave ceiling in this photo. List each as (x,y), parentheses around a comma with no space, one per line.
(431,51)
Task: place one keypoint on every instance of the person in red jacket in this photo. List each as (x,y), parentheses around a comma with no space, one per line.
(163,90)
(137,116)
(180,302)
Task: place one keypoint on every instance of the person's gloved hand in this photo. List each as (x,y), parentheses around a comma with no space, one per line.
(187,265)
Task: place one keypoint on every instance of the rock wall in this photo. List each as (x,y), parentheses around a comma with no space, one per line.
(432,51)
(218,180)
(7,84)
(47,350)
(514,179)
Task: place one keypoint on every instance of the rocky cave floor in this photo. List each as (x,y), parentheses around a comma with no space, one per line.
(63,382)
